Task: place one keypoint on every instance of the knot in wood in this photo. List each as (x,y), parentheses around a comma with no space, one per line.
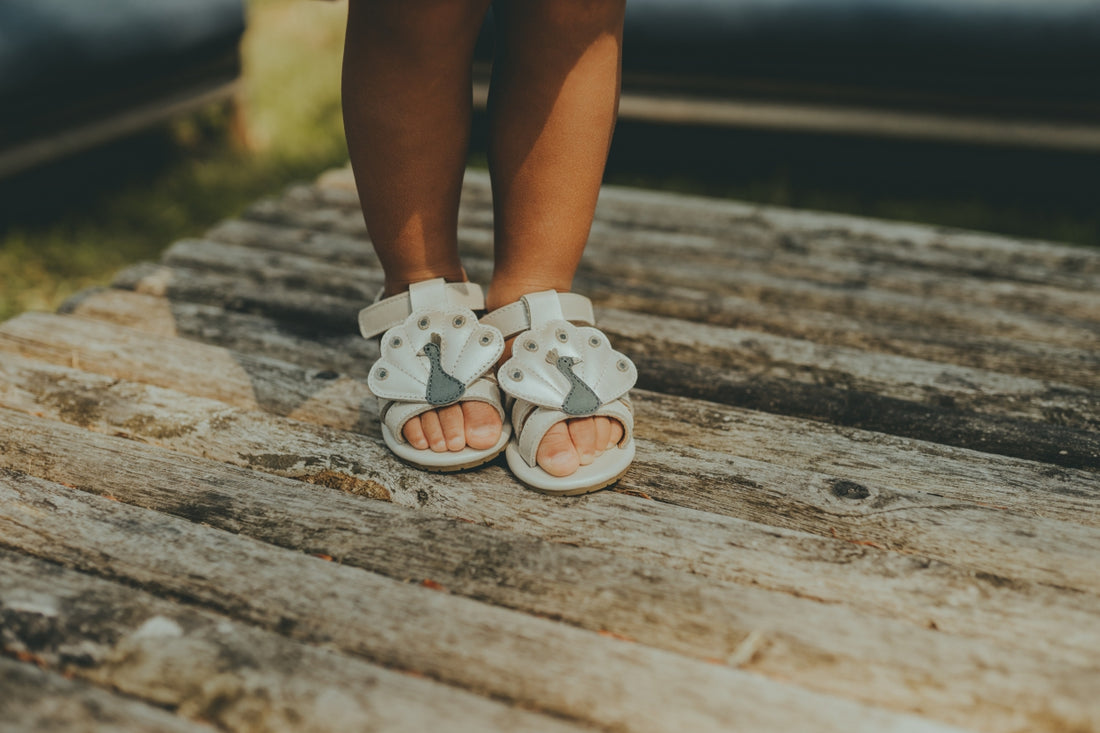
(844,489)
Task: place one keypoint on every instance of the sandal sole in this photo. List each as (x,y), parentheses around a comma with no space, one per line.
(398,451)
(453,469)
(580,491)
(615,465)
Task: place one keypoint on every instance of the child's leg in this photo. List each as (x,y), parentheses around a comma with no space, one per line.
(406,89)
(553,104)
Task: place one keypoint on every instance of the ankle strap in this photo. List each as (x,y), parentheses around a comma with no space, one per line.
(385,314)
(536,308)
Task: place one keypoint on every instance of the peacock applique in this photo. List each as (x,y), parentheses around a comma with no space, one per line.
(443,389)
(580,400)
(577,375)
(434,356)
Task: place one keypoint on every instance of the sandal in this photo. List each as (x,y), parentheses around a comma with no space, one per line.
(434,353)
(559,371)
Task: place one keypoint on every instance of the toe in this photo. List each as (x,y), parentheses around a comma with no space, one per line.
(483,425)
(616,433)
(433,431)
(556,454)
(454,427)
(583,434)
(603,434)
(414,433)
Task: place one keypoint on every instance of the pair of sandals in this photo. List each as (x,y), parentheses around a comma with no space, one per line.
(436,352)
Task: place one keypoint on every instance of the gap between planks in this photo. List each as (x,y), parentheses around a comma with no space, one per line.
(906,337)
(992,540)
(137,353)
(274,445)
(580,675)
(44,702)
(206,667)
(787,381)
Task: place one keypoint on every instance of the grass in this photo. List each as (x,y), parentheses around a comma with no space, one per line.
(74,224)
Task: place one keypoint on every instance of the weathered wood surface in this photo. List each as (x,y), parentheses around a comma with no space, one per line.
(721,349)
(756,371)
(588,588)
(925,594)
(208,667)
(789,264)
(509,655)
(44,702)
(866,496)
(241,377)
(993,540)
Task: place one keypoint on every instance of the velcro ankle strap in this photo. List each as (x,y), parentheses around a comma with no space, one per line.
(518,316)
(385,314)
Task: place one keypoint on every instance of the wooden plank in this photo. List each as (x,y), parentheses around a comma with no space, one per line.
(980,253)
(750,355)
(1021,312)
(318,394)
(589,588)
(921,592)
(984,538)
(925,340)
(617,282)
(744,359)
(865,392)
(702,223)
(579,675)
(315,312)
(206,667)
(734,259)
(931,341)
(349,282)
(35,700)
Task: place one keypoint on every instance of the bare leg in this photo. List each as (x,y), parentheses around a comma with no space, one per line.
(553,105)
(406,88)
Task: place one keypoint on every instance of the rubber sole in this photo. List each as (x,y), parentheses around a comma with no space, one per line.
(608,468)
(453,469)
(441,461)
(580,491)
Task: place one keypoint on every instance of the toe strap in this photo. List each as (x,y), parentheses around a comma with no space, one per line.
(531,423)
(395,413)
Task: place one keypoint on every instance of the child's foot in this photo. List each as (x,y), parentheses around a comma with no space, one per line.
(574,443)
(566,446)
(454,427)
(571,444)
(436,354)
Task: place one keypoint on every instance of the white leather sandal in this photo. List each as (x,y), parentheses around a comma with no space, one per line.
(434,353)
(560,371)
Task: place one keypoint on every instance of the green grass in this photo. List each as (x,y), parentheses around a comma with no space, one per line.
(74,224)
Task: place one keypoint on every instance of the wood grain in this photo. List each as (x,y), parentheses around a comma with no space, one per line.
(511,569)
(982,255)
(579,675)
(801,388)
(931,341)
(320,395)
(865,498)
(733,350)
(43,702)
(984,538)
(206,667)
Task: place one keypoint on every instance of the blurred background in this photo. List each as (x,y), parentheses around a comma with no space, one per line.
(772,101)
